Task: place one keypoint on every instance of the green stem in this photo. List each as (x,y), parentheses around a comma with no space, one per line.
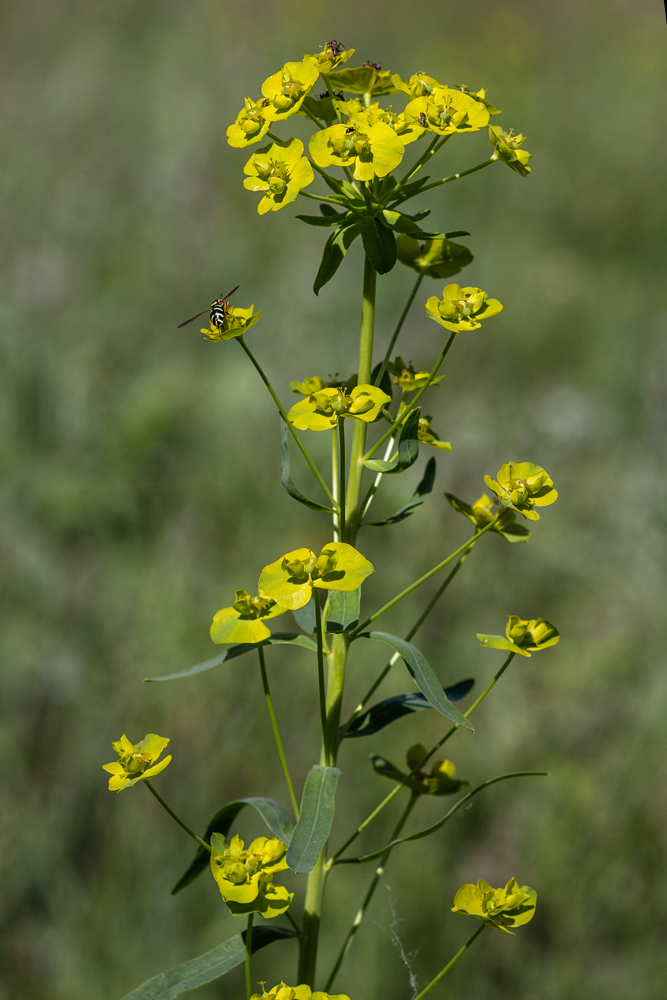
(276,733)
(457,956)
(293,922)
(450,732)
(347,943)
(427,576)
(400,420)
(335,486)
(399,325)
(282,413)
(248,956)
(202,843)
(318,197)
(429,151)
(364,377)
(373,488)
(462,173)
(341,473)
(311,922)
(320,676)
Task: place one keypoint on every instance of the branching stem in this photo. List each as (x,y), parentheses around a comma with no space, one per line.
(202,843)
(276,733)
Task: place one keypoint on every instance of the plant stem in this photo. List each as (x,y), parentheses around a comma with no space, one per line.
(248,956)
(373,488)
(341,473)
(462,173)
(429,151)
(457,956)
(335,486)
(364,377)
(284,416)
(399,325)
(427,576)
(293,922)
(326,753)
(276,734)
(202,843)
(347,943)
(311,922)
(400,420)
(397,788)
(318,197)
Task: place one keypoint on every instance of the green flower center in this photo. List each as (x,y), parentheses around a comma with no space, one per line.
(517,491)
(311,569)
(251,607)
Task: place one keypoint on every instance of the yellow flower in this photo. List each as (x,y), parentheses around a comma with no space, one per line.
(285,91)
(333,54)
(523,486)
(320,411)
(508,148)
(244,876)
(407,378)
(522,635)
(290,580)
(418,86)
(283,992)
(427,436)
(280,171)
(461,308)
(433,258)
(372,149)
(250,126)
(311,384)
(446,110)
(244,621)
(237,322)
(369,78)
(406,131)
(137,763)
(442,779)
(500,908)
(482,511)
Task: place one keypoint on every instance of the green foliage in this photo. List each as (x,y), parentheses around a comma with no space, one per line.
(316,816)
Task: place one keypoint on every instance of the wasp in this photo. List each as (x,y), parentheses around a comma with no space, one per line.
(217,311)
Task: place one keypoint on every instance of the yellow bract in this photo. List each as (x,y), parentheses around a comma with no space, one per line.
(280,171)
(427,436)
(237,322)
(445,111)
(285,90)
(355,109)
(333,54)
(522,635)
(311,384)
(419,85)
(433,258)
(442,779)
(482,511)
(523,486)
(243,622)
(250,126)
(137,763)
(244,876)
(500,908)
(283,992)
(407,378)
(289,581)
(374,150)
(369,78)
(320,411)
(508,148)
(461,309)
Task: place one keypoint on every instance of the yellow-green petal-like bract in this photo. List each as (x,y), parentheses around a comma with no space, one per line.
(280,172)
(523,635)
(508,148)
(237,322)
(427,436)
(289,581)
(446,110)
(461,309)
(407,378)
(500,908)
(250,126)
(372,149)
(418,85)
(284,992)
(367,79)
(136,763)
(442,779)
(523,486)
(321,410)
(244,621)
(244,876)
(433,258)
(285,91)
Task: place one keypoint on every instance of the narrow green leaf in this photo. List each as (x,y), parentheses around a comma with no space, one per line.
(410,190)
(385,712)
(343,613)
(319,220)
(277,639)
(455,233)
(271,812)
(423,675)
(327,209)
(379,244)
(406,224)
(335,249)
(209,966)
(408,448)
(424,488)
(317,812)
(286,478)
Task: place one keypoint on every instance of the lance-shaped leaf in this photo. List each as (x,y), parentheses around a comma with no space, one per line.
(317,812)
(277,639)
(385,712)
(343,613)
(408,448)
(305,617)
(271,812)
(335,249)
(209,966)
(424,488)
(404,224)
(379,244)
(286,478)
(423,675)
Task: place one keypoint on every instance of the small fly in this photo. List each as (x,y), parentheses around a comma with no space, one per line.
(217,311)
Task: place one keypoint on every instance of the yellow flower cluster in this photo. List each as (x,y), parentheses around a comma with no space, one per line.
(244,877)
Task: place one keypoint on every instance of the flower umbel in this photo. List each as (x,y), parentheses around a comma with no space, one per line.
(523,486)
(461,309)
(137,762)
(441,780)
(290,580)
(250,126)
(407,378)
(522,635)
(280,171)
(237,322)
(508,148)
(284,992)
(427,436)
(320,411)
(482,511)
(372,148)
(285,91)
(445,111)
(244,876)
(244,621)
(500,908)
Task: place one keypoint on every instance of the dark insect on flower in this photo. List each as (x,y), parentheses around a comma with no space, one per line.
(348,130)
(372,65)
(217,310)
(334,47)
(324,95)
(422,120)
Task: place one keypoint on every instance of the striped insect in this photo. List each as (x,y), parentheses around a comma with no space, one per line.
(217,311)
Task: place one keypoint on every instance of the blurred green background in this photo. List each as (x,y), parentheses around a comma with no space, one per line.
(140,486)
